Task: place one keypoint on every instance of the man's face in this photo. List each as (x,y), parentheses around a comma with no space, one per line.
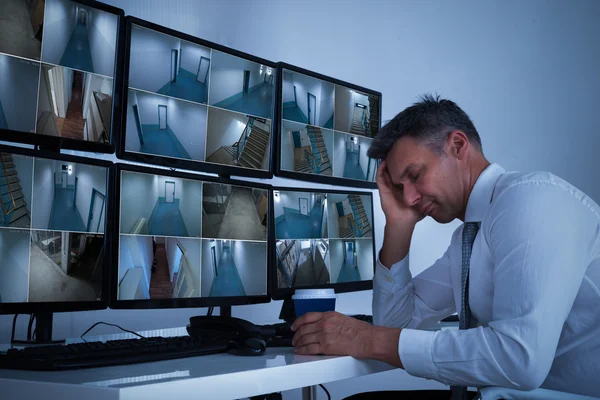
(429,182)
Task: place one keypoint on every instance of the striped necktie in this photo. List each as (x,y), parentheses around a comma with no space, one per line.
(469,232)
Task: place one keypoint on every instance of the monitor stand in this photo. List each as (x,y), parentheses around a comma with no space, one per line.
(225,311)
(43,331)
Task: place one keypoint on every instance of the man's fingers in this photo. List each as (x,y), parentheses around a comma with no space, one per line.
(305,340)
(313,348)
(308,318)
(304,330)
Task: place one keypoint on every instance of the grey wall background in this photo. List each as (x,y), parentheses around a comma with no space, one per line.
(526,72)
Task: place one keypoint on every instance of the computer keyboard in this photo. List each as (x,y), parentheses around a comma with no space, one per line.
(113,352)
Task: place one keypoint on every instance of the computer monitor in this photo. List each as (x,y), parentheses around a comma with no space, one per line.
(58,82)
(53,219)
(324,128)
(323,239)
(188,240)
(196,105)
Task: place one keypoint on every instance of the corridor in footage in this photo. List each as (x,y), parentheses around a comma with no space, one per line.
(64,215)
(227,281)
(77,55)
(349,271)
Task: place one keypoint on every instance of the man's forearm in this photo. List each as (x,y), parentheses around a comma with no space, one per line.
(384,345)
(396,243)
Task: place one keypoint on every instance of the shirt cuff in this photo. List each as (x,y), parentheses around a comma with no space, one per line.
(393,279)
(415,348)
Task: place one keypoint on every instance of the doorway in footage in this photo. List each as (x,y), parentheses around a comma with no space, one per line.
(158,267)
(65,266)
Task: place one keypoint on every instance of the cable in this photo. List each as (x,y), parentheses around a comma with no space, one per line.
(12,335)
(326,391)
(210,311)
(106,323)
(31,319)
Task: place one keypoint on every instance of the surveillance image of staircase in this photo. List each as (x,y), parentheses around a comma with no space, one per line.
(21,28)
(349,216)
(167,65)
(68,196)
(160,205)
(307,100)
(79,37)
(234,212)
(241,85)
(157,267)
(351,260)
(165,126)
(65,266)
(14,265)
(233,268)
(350,158)
(238,139)
(300,215)
(355,112)
(18,93)
(302,263)
(306,148)
(75,105)
(15,191)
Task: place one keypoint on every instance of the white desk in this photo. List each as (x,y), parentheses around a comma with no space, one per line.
(219,376)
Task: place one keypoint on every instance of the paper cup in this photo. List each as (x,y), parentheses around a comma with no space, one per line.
(313,300)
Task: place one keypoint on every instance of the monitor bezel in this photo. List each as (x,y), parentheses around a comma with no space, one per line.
(67,306)
(55,143)
(286,293)
(115,303)
(192,165)
(278,121)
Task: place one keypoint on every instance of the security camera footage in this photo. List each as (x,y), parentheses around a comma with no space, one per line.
(323,238)
(52,216)
(326,129)
(188,238)
(57,61)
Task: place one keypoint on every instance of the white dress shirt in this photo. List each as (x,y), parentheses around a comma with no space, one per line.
(534,288)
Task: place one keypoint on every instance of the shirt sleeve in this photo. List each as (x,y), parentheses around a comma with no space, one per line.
(401,301)
(538,234)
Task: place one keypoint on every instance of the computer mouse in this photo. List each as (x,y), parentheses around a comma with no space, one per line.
(251,346)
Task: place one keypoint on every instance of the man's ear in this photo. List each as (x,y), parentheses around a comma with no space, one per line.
(458,144)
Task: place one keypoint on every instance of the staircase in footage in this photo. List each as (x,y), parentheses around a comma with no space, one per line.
(358,225)
(12,202)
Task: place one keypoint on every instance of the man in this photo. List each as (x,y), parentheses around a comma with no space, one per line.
(531,275)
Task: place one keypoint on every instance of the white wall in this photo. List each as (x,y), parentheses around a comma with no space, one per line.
(279,204)
(148,107)
(43,192)
(125,258)
(328,139)
(227,76)
(188,123)
(306,84)
(132,140)
(139,193)
(24,168)
(339,153)
(190,56)
(291,199)
(364,258)
(363,160)
(90,177)
(368,205)
(96,84)
(150,59)
(60,17)
(224,129)
(250,259)
(343,109)
(18,92)
(190,205)
(208,273)
(192,253)
(325,103)
(102,33)
(333,224)
(336,261)
(43,95)
(287,143)
(67,86)
(14,265)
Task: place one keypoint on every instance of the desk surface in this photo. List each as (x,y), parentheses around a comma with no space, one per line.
(219,376)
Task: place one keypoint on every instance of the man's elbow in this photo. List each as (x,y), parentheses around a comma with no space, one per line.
(530,373)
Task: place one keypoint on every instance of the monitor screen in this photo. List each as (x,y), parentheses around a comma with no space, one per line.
(325,129)
(57,73)
(188,240)
(196,105)
(52,223)
(322,239)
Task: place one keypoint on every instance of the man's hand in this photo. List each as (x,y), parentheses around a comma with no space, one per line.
(392,200)
(332,333)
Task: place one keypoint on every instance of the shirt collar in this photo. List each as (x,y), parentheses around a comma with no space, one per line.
(481,194)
